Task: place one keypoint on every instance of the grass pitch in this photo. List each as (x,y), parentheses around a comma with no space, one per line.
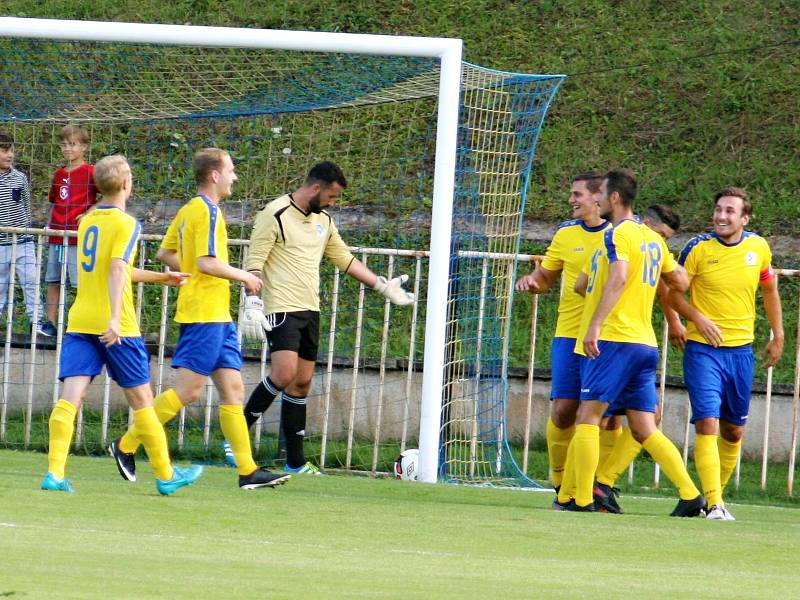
(353,537)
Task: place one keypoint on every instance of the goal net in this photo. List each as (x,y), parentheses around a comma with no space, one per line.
(278,112)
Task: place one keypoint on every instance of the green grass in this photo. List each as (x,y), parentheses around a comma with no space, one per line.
(351,537)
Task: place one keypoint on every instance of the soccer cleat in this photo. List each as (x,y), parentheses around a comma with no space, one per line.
(230,459)
(719,513)
(262,477)
(605,497)
(52,484)
(180,478)
(562,507)
(306,469)
(126,463)
(573,507)
(689,508)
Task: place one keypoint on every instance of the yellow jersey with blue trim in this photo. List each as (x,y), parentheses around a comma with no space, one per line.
(104,234)
(647,255)
(199,230)
(287,245)
(573,243)
(723,283)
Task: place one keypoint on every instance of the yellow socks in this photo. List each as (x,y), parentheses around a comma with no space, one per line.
(567,489)
(167,405)
(234,428)
(728,457)
(587,453)
(608,439)
(706,461)
(151,433)
(625,451)
(62,425)
(557,444)
(666,454)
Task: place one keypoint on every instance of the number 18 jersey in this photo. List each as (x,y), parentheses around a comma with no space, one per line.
(647,256)
(104,234)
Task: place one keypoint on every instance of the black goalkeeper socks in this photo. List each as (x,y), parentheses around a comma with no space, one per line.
(260,400)
(293,423)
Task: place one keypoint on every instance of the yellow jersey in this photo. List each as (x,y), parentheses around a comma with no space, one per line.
(647,255)
(572,244)
(287,246)
(199,230)
(723,283)
(104,234)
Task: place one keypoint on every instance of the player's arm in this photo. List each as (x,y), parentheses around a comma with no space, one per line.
(772,306)
(117,274)
(262,240)
(705,326)
(391,289)
(539,281)
(171,278)
(676,329)
(211,265)
(581,284)
(169,257)
(617,278)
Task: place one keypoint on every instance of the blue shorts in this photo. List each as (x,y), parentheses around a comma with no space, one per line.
(565,367)
(719,381)
(206,347)
(624,376)
(127,363)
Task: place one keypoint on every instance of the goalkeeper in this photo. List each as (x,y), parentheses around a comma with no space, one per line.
(290,236)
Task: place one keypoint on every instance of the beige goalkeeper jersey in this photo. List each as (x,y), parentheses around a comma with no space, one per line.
(287,246)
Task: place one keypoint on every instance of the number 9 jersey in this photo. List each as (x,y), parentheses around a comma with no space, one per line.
(104,234)
(647,256)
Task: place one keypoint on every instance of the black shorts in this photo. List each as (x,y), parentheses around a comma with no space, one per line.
(296,331)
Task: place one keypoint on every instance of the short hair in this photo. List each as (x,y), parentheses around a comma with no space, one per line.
(747,205)
(326,173)
(207,160)
(622,181)
(659,213)
(77,132)
(110,173)
(593,180)
(6,141)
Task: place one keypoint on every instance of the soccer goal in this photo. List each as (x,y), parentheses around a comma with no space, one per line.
(438,153)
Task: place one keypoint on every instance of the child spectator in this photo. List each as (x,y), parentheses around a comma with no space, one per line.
(15,211)
(72,193)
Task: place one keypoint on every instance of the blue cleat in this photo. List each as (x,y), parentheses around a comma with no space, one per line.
(180,478)
(306,469)
(230,459)
(52,484)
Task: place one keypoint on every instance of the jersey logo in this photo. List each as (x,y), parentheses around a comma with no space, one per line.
(63,192)
(578,249)
(320,230)
(713,261)
(750,258)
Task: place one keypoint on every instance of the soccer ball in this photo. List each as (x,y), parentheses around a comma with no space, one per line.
(405,467)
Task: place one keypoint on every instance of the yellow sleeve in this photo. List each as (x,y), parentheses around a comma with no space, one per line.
(766,272)
(126,235)
(262,239)
(617,245)
(170,241)
(669,264)
(204,225)
(554,256)
(337,251)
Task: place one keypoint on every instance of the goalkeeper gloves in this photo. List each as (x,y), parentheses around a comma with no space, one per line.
(253,323)
(393,290)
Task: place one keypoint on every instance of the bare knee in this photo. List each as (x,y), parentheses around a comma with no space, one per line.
(708,426)
(563,412)
(730,432)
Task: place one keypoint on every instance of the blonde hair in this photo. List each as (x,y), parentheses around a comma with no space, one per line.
(110,173)
(207,160)
(76,132)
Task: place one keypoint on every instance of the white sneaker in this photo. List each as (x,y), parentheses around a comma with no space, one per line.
(719,513)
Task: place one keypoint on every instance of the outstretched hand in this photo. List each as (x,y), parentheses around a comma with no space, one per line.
(393,290)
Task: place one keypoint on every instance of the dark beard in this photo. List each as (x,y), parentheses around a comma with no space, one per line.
(313,205)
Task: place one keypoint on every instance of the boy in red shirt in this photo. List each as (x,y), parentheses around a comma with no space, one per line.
(72,193)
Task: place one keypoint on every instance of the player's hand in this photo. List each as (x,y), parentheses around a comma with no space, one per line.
(253,323)
(176,278)
(527,283)
(590,342)
(252,283)
(677,335)
(709,331)
(393,290)
(111,335)
(772,352)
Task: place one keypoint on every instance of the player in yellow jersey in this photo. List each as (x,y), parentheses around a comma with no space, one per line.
(197,242)
(574,241)
(102,331)
(725,269)
(290,237)
(616,336)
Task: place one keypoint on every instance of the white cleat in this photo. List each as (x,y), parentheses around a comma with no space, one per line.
(719,513)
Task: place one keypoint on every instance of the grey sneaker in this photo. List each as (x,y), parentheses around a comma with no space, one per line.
(719,513)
